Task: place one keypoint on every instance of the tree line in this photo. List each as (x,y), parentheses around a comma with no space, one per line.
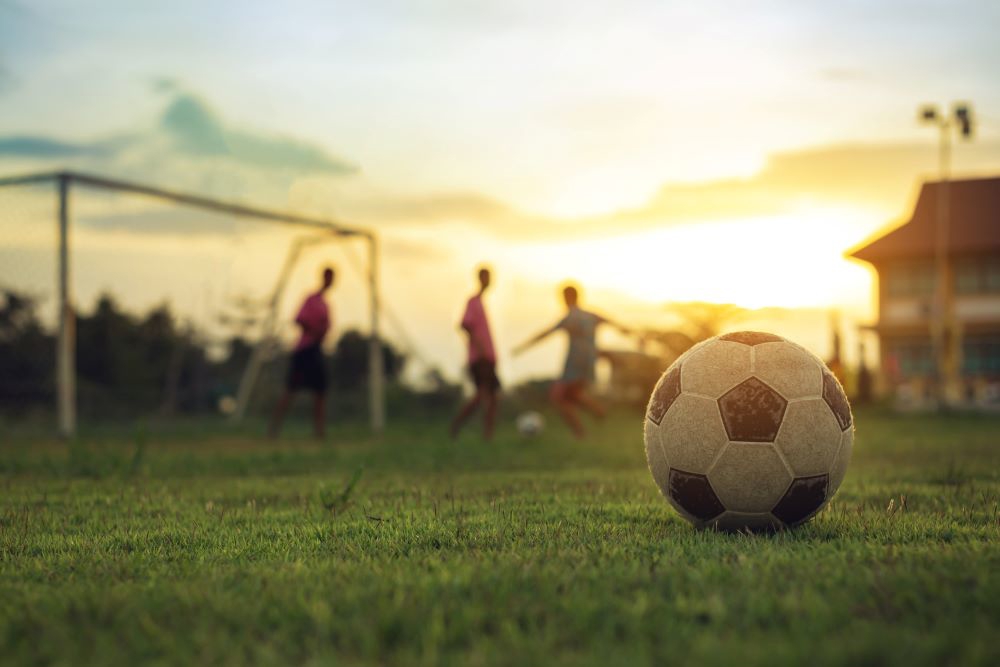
(151,363)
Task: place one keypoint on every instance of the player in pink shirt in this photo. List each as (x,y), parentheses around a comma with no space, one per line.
(306,369)
(482,362)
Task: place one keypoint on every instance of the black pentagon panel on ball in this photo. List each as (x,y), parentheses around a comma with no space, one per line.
(693,492)
(666,392)
(835,397)
(751,338)
(752,411)
(802,499)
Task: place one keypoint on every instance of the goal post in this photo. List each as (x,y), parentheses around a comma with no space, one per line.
(65,183)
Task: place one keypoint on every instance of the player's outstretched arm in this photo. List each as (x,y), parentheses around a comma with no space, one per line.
(628,331)
(534,340)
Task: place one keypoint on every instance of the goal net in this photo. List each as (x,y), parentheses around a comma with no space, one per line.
(123,301)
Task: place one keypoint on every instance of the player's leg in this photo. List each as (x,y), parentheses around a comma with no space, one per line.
(278,416)
(319,415)
(469,407)
(292,382)
(587,402)
(559,394)
(491,398)
(317,382)
(464,413)
(490,401)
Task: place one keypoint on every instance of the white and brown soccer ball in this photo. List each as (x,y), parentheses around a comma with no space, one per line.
(748,431)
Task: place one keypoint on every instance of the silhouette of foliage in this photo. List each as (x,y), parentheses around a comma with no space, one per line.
(129,365)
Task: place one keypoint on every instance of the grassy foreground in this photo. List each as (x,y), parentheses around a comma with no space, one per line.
(201,548)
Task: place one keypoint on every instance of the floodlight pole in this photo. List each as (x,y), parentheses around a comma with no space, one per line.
(944,337)
(376,372)
(66,340)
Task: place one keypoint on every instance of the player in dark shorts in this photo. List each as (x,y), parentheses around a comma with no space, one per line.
(306,369)
(482,363)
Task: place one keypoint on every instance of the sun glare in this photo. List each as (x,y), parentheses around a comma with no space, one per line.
(785,261)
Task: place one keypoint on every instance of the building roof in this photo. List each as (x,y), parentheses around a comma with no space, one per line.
(974,223)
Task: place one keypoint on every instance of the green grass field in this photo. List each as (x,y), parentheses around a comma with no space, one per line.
(202,548)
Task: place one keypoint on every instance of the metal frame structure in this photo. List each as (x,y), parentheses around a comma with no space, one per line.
(66,340)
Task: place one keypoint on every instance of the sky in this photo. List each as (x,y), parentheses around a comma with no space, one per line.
(653,151)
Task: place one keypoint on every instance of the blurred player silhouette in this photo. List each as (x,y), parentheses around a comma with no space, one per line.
(570,390)
(305,370)
(482,362)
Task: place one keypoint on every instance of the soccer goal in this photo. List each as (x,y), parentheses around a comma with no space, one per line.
(119,298)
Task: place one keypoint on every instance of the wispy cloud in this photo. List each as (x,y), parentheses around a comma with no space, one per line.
(838,74)
(197,130)
(878,177)
(46,148)
(173,221)
(190,129)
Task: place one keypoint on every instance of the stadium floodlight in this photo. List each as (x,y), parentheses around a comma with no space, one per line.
(963,114)
(942,326)
(241,215)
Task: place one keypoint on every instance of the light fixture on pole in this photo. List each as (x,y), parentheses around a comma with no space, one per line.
(944,341)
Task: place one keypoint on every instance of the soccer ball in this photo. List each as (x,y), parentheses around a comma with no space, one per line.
(530,424)
(227,405)
(748,431)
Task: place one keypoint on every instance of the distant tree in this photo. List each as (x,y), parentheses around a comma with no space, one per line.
(104,337)
(349,362)
(696,321)
(701,320)
(124,361)
(18,315)
(130,365)
(438,394)
(27,353)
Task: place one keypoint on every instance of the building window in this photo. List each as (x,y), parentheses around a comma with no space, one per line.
(911,357)
(977,276)
(981,355)
(910,279)
(967,278)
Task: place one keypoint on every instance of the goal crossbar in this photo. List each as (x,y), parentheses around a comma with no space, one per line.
(66,344)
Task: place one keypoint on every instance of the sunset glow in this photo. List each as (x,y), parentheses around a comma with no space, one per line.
(786,261)
(651,151)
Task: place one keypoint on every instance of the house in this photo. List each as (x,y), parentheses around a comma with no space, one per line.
(910,322)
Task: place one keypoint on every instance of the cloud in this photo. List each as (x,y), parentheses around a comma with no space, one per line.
(878,177)
(6,78)
(46,148)
(191,130)
(193,127)
(196,130)
(875,176)
(171,221)
(416,250)
(165,84)
(842,74)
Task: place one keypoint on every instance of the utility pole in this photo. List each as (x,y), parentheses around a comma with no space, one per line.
(944,339)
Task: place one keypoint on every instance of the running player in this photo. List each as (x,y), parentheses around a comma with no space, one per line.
(570,390)
(482,362)
(306,370)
